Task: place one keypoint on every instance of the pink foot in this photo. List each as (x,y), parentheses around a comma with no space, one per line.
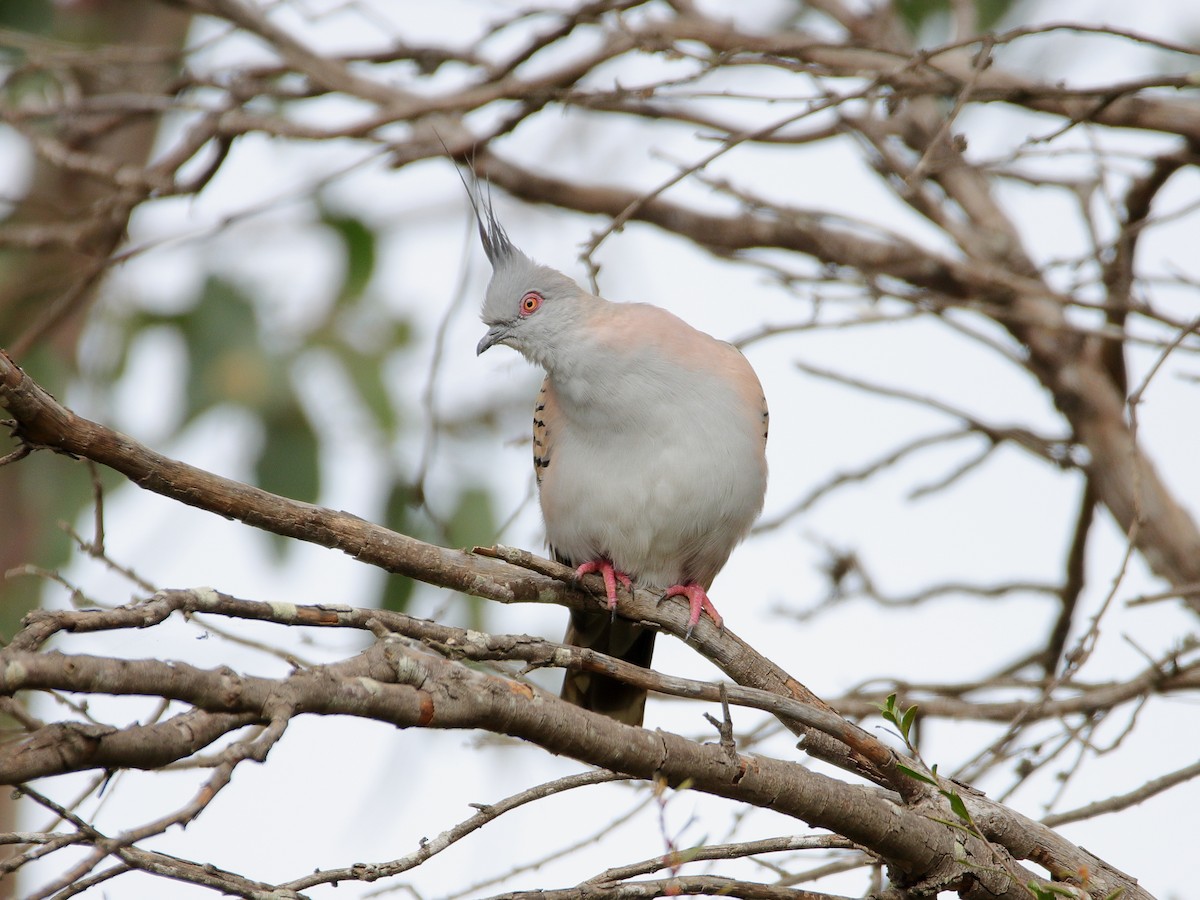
(610,575)
(699,602)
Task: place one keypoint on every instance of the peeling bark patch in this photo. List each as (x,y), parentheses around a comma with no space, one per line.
(371,686)
(425,699)
(318,616)
(285,612)
(14,676)
(206,597)
(521,690)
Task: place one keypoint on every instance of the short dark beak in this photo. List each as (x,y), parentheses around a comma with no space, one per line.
(495,335)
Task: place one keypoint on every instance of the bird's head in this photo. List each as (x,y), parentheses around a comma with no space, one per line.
(530,307)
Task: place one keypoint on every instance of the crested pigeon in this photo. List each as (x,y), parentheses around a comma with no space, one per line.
(649,447)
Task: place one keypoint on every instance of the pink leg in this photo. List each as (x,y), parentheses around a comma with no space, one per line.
(699,602)
(610,575)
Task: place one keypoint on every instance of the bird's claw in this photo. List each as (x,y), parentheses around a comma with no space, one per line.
(698,602)
(610,575)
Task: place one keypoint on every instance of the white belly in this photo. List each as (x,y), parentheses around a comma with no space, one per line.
(665,501)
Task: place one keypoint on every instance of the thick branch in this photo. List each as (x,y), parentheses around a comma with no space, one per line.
(73,747)
(399,682)
(396,684)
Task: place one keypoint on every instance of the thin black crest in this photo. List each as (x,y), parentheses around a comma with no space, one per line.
(495,240)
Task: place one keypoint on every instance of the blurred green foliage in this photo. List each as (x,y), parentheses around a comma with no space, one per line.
(464,528)
(232,358)
(923,15)
(35,16)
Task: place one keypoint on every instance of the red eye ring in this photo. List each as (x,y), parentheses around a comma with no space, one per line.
(530,303)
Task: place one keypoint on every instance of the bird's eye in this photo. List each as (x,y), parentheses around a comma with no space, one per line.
(530,303)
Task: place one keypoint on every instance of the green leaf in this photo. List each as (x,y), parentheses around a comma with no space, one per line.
(395,509)
(900,717)
(397,590)
(36,16)
(888,709)
(913,773)
(366,371)
(473,521)
(228,364)
(1051,891)
(957,805)
(358,248)
(289,464)
(919,14)
(397,593)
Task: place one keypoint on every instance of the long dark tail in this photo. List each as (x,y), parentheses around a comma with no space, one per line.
(617,637)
